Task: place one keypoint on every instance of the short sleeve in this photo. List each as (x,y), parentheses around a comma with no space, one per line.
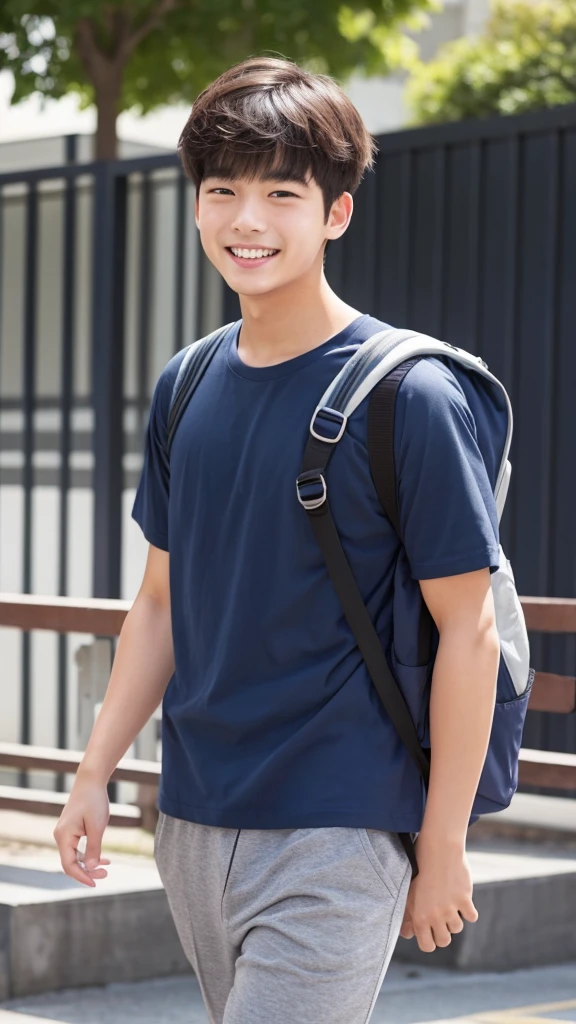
(446,504)
(150,508)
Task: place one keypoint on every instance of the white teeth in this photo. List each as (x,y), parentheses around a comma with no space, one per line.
(252,254)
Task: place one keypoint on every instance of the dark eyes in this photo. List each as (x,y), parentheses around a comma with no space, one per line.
(277,191)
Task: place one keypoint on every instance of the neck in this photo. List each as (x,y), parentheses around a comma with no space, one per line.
(286,323)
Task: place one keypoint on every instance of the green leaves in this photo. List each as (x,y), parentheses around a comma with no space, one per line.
(526,60)
(171,49)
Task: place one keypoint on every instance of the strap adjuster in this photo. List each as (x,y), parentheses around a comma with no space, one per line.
(334,423)
(315,484)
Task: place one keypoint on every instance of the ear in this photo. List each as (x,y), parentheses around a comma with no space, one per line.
(197,209)
(340,214)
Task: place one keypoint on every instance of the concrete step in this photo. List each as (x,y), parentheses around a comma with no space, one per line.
(57,933)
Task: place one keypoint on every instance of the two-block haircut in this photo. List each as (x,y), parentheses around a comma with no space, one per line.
(266,118)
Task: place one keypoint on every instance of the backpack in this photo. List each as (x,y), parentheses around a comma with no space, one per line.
(402,674)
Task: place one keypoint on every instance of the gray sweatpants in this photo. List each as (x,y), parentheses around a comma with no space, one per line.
(284,926)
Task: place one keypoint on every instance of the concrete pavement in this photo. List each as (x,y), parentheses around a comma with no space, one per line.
(409,995)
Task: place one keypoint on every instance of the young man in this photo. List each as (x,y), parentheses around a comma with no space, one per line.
(284,784)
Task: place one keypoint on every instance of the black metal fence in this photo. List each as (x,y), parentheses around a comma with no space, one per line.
(101,281)
(465,231)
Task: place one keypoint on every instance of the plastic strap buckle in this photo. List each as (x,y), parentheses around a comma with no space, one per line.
(333,421)
(314,483)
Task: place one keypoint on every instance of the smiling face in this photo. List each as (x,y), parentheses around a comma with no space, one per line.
(268,232)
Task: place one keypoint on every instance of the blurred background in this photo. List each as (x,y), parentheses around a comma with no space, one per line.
(466,230)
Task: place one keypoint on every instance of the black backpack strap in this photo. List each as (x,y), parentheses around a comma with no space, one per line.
(312,493)
(381,414)
(381,417)
(408,844)
(193,367)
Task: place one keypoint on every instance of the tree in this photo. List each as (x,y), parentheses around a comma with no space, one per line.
(525,60)
(122,54)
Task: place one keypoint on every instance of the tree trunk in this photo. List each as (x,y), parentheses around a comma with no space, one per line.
(106,147)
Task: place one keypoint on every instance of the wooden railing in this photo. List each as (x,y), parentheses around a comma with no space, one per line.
(550,693)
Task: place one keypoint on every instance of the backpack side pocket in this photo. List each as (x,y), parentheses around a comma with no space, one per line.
(414,682)
(499,779)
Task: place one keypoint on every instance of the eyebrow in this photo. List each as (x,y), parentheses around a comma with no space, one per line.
(279,174)
(285,175)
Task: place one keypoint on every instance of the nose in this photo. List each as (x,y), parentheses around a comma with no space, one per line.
(248,216)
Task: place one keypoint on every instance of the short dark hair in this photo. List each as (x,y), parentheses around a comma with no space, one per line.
(268,118)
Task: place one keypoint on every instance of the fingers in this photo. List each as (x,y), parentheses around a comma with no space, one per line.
(441,935)
(68,858)
(438,933)
(93,850)
(97,873)
(407,929)
(76,864)
(455,924)
(424,938)
(83,819)
(469,912)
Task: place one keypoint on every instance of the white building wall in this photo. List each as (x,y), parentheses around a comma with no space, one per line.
(50,151)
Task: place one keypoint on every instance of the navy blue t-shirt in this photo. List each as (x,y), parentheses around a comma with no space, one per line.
(270,719)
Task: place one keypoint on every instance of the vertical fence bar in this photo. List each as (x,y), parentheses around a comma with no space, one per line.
(66,376)
(406,203)
(1,321)
(108,286)
(475,261)
(439,267)
(108,301)
(71,143)
(230,296)
(144,297)
(515,182)
(28,407)
(180,236)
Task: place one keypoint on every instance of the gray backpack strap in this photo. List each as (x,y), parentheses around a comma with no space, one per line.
(198,357)
(378,357)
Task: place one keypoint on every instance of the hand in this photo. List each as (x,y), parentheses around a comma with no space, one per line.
(86,813)
(440,897)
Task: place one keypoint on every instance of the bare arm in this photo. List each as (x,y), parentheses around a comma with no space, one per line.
(462,698)
(143,665)
(461,710)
